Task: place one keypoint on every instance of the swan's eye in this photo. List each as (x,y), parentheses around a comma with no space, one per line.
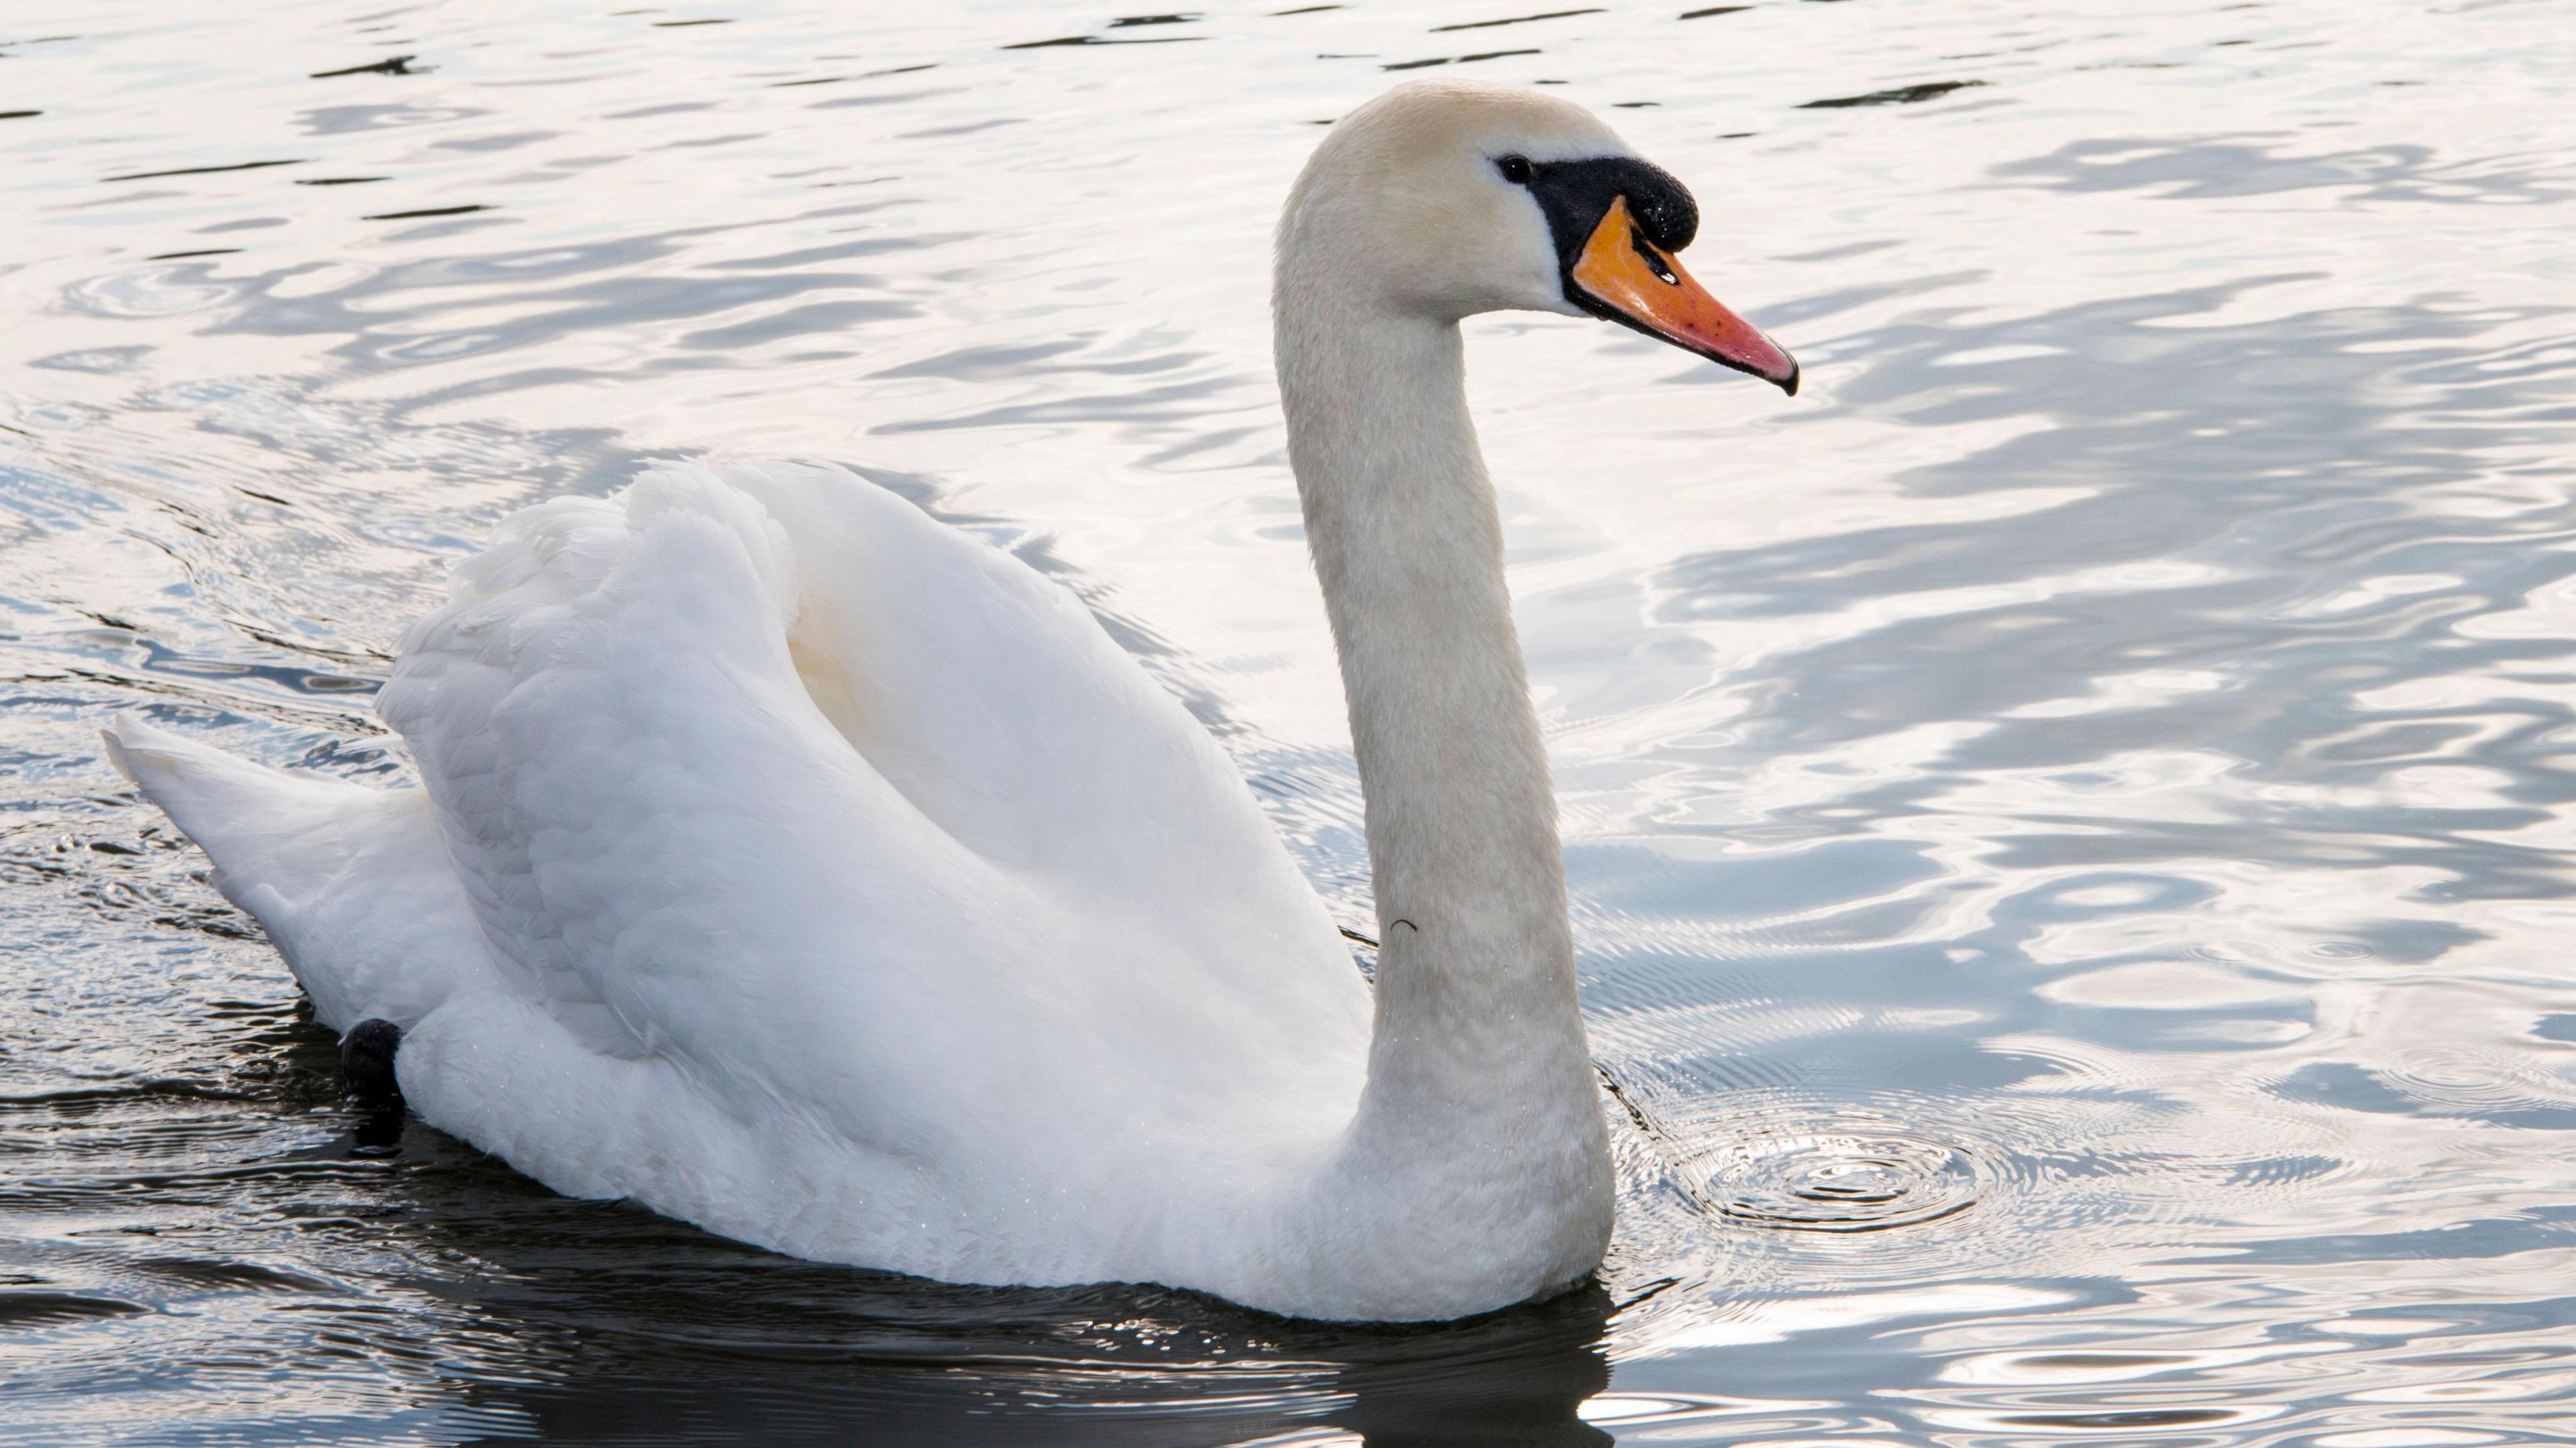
(1515,169)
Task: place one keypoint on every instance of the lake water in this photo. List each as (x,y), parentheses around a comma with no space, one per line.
(2069,819)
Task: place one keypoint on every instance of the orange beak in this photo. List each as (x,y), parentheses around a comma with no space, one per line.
(1629,279)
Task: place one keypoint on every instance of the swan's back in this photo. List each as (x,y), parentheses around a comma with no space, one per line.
(998,706)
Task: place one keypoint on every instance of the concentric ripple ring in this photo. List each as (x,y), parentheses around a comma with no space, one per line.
(1856,1178)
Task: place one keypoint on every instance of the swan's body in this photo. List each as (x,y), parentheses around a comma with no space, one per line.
(799,866)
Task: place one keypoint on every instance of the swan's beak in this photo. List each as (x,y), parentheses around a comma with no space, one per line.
(1629,279)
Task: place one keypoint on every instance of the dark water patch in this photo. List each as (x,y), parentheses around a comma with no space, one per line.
(1903,95)
(227,1274)
(2117,1420)
(205,170)
(1513,20)
(206,251)
(963,128)
(844,103)
(395,65)
(22,1310)
(1713,10)
(1454,59)
(427,211)
(510,141)
(1080,40)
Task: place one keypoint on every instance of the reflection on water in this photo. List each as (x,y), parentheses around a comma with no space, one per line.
(2067,819)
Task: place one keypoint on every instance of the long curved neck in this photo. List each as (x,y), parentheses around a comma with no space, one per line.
(1461,818)
(1478,1058)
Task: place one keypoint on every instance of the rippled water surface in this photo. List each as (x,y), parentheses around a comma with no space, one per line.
(2069,819)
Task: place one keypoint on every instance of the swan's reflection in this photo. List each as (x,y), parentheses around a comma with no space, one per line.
(586,1323)
(1517,1378)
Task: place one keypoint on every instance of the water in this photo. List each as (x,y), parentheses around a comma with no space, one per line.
(2068,819)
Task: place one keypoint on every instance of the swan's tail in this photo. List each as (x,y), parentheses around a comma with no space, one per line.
(353,884)
(255,822)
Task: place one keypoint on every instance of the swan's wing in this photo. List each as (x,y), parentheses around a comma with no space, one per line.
(996,703)
(678,854)
(351,883)
(605,716)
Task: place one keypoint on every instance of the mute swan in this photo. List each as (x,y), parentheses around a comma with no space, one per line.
(796,865)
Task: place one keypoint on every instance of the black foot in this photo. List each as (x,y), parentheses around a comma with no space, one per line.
(367,1066)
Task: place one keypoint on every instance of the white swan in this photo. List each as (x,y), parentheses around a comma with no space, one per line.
(801,867)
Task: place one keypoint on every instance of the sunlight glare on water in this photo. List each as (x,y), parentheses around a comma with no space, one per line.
(2066,819)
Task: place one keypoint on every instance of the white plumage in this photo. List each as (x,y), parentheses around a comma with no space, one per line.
(973,928)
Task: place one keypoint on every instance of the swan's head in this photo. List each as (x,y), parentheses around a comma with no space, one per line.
(1448,198)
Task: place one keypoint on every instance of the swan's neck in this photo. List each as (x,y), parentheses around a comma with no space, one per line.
(1478,1067)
